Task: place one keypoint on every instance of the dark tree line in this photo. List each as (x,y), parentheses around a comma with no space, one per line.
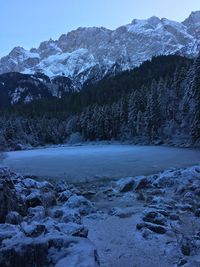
(157,102)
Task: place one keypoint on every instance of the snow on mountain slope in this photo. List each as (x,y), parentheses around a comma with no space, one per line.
(91,53)
(76,62)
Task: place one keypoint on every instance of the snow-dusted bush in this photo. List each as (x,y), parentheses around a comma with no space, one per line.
(75,138)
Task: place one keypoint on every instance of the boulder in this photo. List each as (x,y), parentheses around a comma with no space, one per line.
(186,247)
(125,185)
(71,216)
(34,199)
(35,231)
(48,198)
(82,232)
(36,213)
(197,212)
(143,183)
(38,230)
(8,198)
(154,217)
(174,217)
(153,227)
(166,179)
(25,255)
(13,217)
(80,203)
(64,196)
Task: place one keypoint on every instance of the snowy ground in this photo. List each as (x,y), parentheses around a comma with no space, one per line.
(148,220)
(91,162)
(138,221)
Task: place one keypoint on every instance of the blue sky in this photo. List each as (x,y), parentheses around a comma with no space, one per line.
(28,22)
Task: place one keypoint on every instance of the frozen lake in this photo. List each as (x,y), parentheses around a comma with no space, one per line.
(90,162)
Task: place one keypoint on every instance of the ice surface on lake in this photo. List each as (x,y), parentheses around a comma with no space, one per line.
(89,162)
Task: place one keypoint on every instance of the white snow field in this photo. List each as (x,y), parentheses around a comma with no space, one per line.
(93,162)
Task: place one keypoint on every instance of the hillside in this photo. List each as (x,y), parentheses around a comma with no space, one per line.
(155,103)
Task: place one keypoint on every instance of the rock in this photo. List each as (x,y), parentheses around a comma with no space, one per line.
(125,185)
(37,213)
(40,248)
(29,183)
(186,207)
(83,232)
(13,217)
(80,203)
(197,212)
(166,179)
(181,262)
(174,217)
(8,198)
(107,191)
(61,187)
(47,234)
(80,254)
(146,233)
(57,213)
(25,255)
(157,192)
(37,231)
(189,195)
(64,196)
(154,217)
(34,199)
(123,213)
(164,212)
(71,216)
(143,183)
(186,248)
(48,199)
(89,193)
(45,186)
(8,231)
(153,227)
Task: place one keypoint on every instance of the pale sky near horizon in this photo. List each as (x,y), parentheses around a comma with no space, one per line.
(28,22)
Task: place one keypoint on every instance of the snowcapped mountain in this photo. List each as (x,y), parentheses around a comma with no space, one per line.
(88,54)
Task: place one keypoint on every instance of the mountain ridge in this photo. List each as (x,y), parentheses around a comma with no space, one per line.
(90,53)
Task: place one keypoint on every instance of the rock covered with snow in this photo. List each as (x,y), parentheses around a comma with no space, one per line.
(9,199)
(37,228)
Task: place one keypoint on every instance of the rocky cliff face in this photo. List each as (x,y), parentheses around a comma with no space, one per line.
(91,53)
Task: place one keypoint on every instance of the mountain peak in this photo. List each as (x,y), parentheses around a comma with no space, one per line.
(17,50)
(193,24)
(87,52)
(194,18)
(154,20)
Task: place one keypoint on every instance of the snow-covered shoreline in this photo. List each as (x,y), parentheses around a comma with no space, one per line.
(160,213)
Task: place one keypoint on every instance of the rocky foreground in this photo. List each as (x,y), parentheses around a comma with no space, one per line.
(41,224)
(148,220)
(137,221)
